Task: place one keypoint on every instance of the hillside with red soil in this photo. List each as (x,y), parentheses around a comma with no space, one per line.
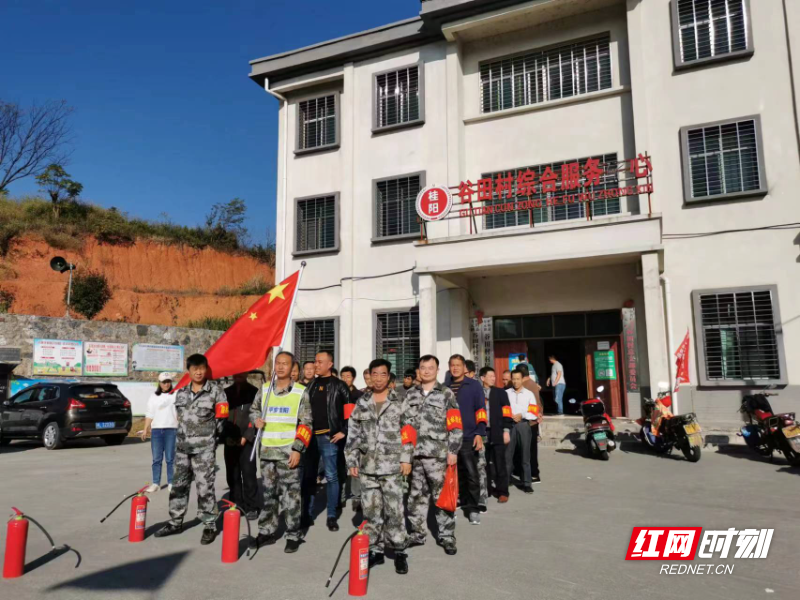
(152,283)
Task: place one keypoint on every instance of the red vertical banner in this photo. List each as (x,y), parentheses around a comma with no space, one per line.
(682,362)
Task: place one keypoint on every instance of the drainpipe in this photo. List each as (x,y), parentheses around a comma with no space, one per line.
(670,342)
(280,98)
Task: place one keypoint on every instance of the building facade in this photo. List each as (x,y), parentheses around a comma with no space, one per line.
(697,98)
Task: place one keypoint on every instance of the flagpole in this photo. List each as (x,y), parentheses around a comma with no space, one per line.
(275,351)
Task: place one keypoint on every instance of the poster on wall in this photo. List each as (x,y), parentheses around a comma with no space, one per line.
(514,360)
(604,366)
(57,357)
(105,359)
(157,357)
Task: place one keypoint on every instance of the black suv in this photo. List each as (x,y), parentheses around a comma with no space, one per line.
(56,412)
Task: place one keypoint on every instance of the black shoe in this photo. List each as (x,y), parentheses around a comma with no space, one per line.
(252,515)
(291,546)
(400,563)
(168,530)
(449,547)
(375,559)
(332,524)
(528,490)
(262,540)
(535,480)
(209,535)
(356,504)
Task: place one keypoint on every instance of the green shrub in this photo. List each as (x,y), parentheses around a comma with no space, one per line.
(213,323)
(90,293)
(63,240)
(6,300)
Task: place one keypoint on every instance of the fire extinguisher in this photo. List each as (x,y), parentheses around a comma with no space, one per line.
(359,562)
(138,514)
(231,523)
(16,541)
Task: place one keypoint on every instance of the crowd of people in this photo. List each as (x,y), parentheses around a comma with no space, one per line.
(386,447)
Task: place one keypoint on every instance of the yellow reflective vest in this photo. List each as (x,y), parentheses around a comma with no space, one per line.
(280,427)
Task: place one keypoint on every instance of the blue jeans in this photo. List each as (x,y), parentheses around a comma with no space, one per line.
(559,397)
(162,444)
(328,454)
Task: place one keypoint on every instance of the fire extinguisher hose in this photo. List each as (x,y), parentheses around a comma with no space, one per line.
(53,548)
(339,556)
(126,498)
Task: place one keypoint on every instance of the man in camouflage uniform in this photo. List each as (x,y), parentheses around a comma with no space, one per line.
(380,445)
(202,409)
(433,412)
(286,434)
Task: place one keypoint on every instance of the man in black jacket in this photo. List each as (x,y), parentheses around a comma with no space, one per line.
(238,436)
(328,396)
(498,433)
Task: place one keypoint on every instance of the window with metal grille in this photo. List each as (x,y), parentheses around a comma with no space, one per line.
(397,339)
(708,29)
(546,214)
(561,72)
(740,335)
(398,97)
(396,206)
(723,159)
(317,123)
(316,224)
(314,336)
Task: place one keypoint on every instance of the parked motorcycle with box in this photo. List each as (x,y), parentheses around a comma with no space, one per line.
(765,432)
(662,431)
(599,428)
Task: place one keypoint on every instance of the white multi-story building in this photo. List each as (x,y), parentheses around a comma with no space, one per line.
(474,90)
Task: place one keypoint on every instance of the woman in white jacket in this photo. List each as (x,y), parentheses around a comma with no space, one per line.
(161,420)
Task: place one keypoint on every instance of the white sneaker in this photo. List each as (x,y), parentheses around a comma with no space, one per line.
(169,487)
(474,519)
(152,488)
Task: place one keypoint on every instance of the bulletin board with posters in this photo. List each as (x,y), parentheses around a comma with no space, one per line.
(105,359)
(57,357)
(157,357)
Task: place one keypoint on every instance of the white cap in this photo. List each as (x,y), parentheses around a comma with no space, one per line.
(162,377)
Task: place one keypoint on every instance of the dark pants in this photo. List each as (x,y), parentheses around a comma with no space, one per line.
(241,474)
(496,470)
(535,450)
(469,485)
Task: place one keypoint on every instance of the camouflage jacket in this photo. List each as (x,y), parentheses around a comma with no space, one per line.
(375,436)
(198,425)
(303,418)
(437,420)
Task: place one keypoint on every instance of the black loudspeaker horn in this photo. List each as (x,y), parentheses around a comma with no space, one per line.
(59,264)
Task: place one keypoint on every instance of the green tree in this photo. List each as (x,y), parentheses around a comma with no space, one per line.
(90,293)
(225,224)
(56,182)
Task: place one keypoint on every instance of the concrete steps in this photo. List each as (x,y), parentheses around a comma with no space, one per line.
(567,432)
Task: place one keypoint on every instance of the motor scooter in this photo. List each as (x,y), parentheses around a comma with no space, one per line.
(766,432)
(599,428)
(662,431)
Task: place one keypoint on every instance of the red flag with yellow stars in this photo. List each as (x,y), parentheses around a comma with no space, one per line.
(245,346)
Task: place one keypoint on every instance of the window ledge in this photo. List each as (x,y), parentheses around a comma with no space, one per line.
(749,194)
(395,238)
(740,383)
(304,151)
(321,252)
(510,112)
(389,128)
(701,62)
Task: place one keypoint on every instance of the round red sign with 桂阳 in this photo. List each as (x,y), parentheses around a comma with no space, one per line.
(434,203)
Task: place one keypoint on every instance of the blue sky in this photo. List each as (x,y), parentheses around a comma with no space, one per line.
(166,119)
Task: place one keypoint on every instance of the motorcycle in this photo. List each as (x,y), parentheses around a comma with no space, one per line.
(766,432)
(662,431)
(599,428)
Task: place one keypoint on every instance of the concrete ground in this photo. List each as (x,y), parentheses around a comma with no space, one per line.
(568,540)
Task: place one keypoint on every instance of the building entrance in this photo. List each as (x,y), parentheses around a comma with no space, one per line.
(586,344)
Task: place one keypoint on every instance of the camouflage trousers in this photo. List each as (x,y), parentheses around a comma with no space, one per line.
(427,480)
(382,504)
(484,496)
(199,467)
(281,493)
